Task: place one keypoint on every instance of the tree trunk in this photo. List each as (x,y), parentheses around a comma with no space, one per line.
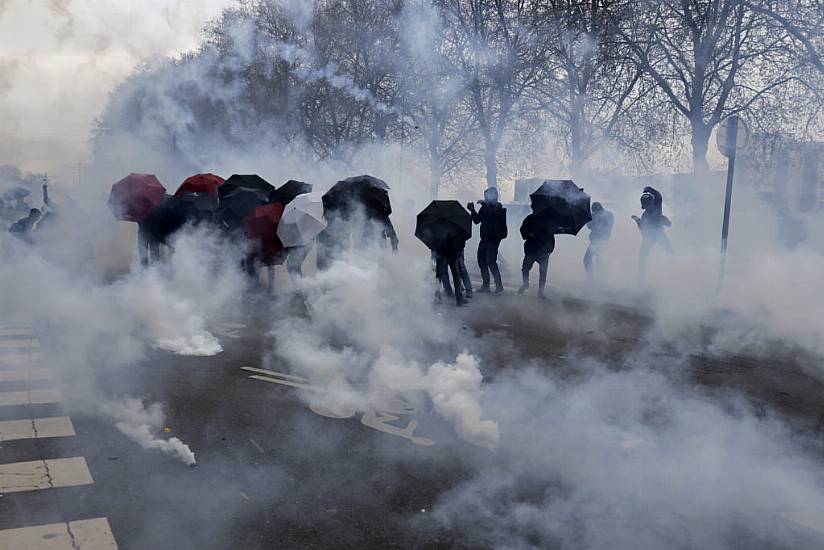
(434,173)
(490,155)
(700,144)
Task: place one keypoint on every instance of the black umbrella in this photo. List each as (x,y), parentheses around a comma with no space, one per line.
(563,204)
(165,219)
(239,196)
(369,191)
(287,192)
(444,226)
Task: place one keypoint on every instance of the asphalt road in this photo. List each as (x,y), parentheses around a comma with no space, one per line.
(272,473)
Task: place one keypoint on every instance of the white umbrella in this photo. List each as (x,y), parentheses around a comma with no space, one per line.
(302,220)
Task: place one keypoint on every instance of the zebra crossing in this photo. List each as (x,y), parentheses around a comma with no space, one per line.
(21,364)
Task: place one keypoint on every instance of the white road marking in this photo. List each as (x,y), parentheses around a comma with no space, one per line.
(25,375)
(44,474)
(20,343)
(8,330)
(87,534)
(16,359)
(380,420)
(36,428)
(29,397)
(284,382)
(277,374)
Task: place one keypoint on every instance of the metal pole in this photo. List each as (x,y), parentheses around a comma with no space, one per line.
(732,144)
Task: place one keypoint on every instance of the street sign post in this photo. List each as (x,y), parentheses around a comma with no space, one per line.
(732,136)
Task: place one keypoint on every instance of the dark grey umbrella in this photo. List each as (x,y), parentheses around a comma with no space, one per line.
(563,205)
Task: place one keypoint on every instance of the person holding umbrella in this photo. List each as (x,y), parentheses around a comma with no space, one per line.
(539,243)
(444,227)
(559,207)
(301,223)
(492,219)
(652,225)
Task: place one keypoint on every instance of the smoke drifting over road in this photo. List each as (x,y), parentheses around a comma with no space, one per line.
(140,424)
(565,452)
(369,337)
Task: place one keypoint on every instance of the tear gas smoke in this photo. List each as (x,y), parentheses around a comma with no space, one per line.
(140,424)
(369,336)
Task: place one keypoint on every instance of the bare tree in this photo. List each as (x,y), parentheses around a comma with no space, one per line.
(433,95)
(590,82)
(710,59)
(500,48)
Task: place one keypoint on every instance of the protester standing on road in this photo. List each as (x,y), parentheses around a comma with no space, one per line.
(600,231)
(539,242)
(21,228)
(652,224)
(492,218)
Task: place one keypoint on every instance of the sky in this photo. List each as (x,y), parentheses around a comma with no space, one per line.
(60,60)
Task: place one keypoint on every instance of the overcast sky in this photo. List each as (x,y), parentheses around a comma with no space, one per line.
(59,60)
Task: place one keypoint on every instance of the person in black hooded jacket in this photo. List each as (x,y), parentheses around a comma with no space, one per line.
(539,242)
(492,218)
(652,224)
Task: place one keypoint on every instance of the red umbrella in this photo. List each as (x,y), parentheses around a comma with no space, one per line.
(133,197)
(261,228)
(200,183)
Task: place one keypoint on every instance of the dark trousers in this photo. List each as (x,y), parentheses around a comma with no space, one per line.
(467,282)
(442,268)
(543,267)
(488,262)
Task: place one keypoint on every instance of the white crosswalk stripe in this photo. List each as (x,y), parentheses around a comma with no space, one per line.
(25,375)
(29,397)
(44,474)
(21,361)
(17,360)
(36,428)
(19,343)
(89,534)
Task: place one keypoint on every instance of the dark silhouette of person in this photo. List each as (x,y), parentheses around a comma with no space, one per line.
(447,260)
(492,218)
(600,231)
(652,224)
(23,227)
(387,231)
(539,242)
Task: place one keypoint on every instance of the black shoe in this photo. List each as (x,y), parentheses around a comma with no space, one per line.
(499,290)
(523,288)
(541,295)
(484,290)
(460,301)
(468,294)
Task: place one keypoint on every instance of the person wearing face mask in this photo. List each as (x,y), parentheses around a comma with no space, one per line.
(652,224)
(492,219)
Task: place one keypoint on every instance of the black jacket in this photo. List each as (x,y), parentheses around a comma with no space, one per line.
(538,236)
(492,218)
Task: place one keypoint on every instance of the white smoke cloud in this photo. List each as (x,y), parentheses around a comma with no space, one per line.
(68,56)
(368,337)
(141,424)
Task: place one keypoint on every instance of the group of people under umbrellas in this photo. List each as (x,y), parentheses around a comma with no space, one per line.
(279,225)
(558,207)
(275,225)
